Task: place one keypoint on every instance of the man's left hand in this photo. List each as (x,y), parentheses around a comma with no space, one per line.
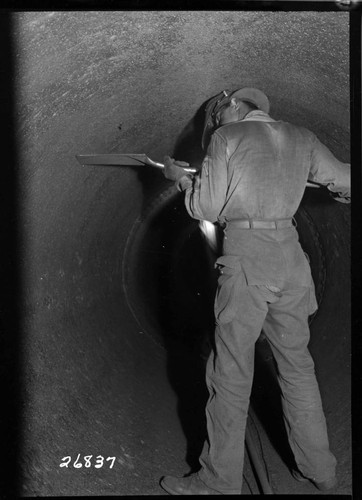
(174,170)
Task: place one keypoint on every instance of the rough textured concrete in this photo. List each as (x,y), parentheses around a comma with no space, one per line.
(102,368)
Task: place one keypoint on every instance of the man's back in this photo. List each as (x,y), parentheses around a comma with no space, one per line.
(268,167)
(257,168)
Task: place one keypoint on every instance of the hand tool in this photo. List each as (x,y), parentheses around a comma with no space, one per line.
(122,160)
(133,159)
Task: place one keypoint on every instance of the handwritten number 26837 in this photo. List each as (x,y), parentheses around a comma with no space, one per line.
(78,463)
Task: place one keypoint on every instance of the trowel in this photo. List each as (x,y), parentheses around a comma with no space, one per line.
(133,159)
(118,160)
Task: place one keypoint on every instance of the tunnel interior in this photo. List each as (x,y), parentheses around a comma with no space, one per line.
(117,281)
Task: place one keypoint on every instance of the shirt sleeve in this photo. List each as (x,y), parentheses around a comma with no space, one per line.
(205,195)
(330,172)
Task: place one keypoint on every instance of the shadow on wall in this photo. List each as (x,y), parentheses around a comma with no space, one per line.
(188,148)
(10,326)
(188,145)
(176,287)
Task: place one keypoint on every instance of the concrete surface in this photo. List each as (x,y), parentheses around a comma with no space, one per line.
(106,362)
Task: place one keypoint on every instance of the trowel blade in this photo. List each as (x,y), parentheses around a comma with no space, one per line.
(113,159)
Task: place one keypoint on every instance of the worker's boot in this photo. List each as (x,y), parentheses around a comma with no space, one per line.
(191,485)
(326,485)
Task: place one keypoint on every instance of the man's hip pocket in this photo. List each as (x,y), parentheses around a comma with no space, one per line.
(230,280)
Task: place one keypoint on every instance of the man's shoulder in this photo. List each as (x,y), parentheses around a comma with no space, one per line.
(245,125)
(300,128)
(236,130)
(231,128)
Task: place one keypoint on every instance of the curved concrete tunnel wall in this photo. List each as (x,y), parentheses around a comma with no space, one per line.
(99,82)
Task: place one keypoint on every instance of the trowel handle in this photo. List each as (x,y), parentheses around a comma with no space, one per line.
(190,170)
(312,185)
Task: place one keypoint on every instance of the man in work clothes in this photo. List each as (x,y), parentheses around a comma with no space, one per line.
(252,181)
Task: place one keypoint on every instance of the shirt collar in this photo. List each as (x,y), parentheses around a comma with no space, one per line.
(258,115)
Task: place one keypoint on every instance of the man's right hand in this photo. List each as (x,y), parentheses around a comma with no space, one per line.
(174,170)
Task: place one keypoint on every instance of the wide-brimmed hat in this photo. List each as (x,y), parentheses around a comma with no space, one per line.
(255,96)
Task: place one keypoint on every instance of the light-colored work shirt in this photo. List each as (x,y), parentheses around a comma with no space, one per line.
(258,168)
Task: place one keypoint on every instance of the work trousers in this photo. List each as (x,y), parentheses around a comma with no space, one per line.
(242,310)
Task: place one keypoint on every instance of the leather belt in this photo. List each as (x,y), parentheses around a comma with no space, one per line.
(260,224)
